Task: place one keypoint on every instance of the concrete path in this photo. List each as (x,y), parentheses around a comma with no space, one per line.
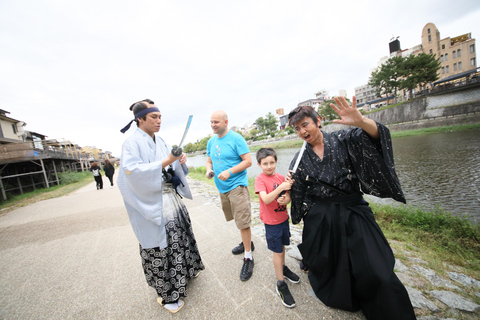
(76,257)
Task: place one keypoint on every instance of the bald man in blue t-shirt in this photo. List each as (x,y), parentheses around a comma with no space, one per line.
(228,158)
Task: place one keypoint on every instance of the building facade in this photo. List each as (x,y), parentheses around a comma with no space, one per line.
(364,93)
(11,130)
(456,54)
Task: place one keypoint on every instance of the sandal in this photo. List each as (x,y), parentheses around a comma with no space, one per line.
(179,307)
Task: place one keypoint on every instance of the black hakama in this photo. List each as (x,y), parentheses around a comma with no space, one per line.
(168,270)
(350,261)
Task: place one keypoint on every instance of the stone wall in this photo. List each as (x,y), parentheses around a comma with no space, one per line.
(461,106)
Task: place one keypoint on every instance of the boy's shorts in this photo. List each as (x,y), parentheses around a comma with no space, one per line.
(277,235)
(236,205)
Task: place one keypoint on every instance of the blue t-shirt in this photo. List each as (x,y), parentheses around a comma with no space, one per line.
(225,153)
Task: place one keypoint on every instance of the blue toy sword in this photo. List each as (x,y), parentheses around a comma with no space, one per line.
(177,151)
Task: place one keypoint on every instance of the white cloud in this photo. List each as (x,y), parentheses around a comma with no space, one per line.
(72,69)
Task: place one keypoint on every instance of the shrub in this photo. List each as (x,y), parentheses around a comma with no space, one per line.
(69,177)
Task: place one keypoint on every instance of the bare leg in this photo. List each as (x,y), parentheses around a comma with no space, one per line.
(278,262)
(246,235)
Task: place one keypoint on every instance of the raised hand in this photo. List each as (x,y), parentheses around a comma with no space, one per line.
(349,114)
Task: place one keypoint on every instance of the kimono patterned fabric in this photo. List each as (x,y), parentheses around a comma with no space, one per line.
(349,258)
(168,270)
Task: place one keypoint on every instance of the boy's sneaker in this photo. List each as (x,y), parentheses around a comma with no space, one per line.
(285,295)
(241,249)
(290,275)
(247,269)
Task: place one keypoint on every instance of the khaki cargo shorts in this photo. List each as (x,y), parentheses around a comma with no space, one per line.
(236,205)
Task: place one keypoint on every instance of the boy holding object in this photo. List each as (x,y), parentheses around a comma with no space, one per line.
(273,213)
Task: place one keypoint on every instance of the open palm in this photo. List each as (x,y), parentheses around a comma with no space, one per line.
(349,114)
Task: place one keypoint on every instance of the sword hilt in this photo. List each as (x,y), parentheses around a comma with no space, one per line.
(177,151)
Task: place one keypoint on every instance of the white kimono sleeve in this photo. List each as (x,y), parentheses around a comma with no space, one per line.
(143,183)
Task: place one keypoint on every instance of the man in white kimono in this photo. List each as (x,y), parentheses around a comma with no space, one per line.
(155,210)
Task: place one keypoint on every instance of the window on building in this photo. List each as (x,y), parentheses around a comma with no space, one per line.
(443,46)
(428,30)
(446,56)
(454,67)
(459,53)
(14,128)
(431,51)
(441,58)
(473,63)
(472,48)
(429,38)
(443,70)
(454,54)
(460,65)
(447,69)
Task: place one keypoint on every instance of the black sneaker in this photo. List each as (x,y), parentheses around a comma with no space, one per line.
(247,269)
(241,249)
(290,275)
(285,295)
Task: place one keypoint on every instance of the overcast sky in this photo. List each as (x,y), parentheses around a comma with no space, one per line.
(71,69)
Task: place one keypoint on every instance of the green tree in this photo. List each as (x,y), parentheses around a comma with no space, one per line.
(252,134)
(271,122)
(387,79)
(190,147)
(326,111)
(267,124)
(260,122)
(289,130)
(420,70)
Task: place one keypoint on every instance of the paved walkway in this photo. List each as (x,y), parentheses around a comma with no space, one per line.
(76,257)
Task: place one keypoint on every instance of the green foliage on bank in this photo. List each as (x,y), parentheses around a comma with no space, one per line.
(418,132)
(72,177)
(434,233)
(69,182)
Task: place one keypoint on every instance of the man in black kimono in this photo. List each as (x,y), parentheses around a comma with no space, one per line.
(350,262)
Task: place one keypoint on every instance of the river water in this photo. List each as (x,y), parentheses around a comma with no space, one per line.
(441,169)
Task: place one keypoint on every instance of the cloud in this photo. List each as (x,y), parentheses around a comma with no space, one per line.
(72,69)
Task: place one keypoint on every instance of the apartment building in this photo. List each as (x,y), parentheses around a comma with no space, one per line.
(457,54)
(364,93)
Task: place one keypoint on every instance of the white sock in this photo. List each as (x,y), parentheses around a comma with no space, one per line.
(173,306)
(248,255)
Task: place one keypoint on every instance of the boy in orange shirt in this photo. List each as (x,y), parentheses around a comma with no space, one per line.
(274,214)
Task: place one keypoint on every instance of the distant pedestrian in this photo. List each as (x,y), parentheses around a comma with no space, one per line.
(95,169)
(228,158)
(269,186)
(159,218)
(109,171)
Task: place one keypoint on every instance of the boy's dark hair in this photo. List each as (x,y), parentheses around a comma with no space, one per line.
(301,112)
(265,152)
